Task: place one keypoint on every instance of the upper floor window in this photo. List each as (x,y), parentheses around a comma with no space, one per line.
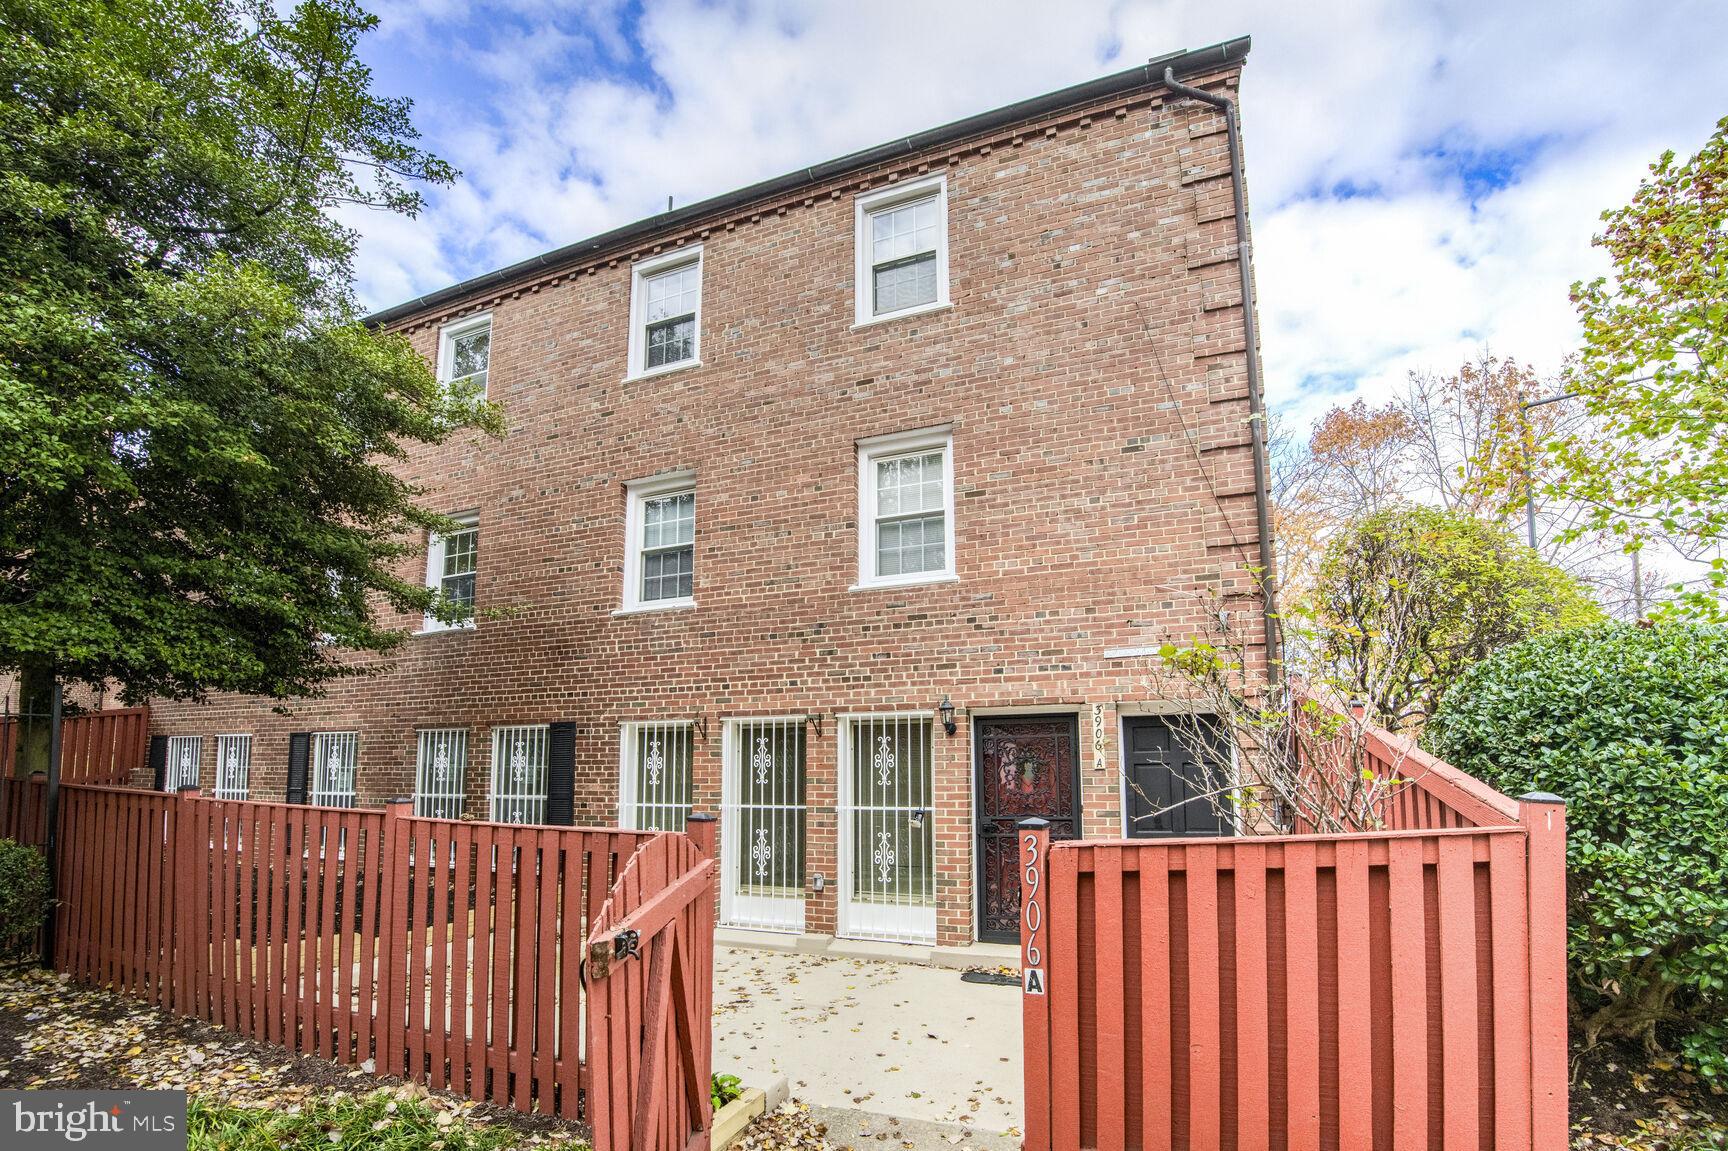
(906,508)
(666,311)
(902,247)
(660,556)
(452,562)
(465,354)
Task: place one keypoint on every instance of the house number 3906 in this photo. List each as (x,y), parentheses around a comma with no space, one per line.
(1032,964)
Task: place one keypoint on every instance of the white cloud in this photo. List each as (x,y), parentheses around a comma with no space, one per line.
(568,120)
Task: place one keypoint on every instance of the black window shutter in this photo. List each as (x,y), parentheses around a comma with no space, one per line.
(159,761)
(299,753)
(561,774)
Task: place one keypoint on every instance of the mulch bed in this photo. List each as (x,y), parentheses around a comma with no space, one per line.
(55,1034)
(1620,1098)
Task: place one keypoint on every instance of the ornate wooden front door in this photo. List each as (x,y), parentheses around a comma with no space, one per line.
(1027,766)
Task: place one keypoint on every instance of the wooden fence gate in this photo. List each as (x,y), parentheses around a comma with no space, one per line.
(646,1015)
(96,747)
(1402,989)
(458,954)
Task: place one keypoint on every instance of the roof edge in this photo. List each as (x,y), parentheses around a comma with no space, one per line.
(1150,74)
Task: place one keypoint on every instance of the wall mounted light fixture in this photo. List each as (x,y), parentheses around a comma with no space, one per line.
(946,710)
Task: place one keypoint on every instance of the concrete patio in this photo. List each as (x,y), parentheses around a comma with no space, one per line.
(873,1038)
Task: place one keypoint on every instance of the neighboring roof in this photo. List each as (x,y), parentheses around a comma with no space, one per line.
(1185,63)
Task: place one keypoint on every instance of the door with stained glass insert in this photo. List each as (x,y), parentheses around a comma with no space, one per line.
(887,829)
(762,839)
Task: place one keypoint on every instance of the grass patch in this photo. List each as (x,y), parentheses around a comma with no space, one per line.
(381,1121)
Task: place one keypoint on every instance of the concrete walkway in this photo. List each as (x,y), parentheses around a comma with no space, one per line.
(873,1038)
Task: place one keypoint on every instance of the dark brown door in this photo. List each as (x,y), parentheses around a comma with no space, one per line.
(1027,765)
(1170,779)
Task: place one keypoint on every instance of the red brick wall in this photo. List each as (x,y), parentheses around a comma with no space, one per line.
(1091,368)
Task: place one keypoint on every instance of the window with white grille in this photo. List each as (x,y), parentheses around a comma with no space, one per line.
(666,312)
(660,543)
(887,829)
(233,766)
(906,508)
(654,792)
(519,774)
(902,250)
(183,755)
(762,838)
(452,566)
(440,771)
(465,355)
(335,760)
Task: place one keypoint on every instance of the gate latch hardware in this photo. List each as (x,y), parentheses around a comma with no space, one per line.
(602,955)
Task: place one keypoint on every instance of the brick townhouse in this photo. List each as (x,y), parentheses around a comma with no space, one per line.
(846,506)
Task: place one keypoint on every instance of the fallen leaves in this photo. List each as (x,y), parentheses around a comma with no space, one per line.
(69,1036)
(788,1127)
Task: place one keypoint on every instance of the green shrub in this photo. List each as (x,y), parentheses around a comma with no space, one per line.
(1630,726)
(722,1089)
(24,899)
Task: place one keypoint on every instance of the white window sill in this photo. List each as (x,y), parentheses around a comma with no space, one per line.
(657,605)
(662,370)
(904,314)
(920,581)
(432,627)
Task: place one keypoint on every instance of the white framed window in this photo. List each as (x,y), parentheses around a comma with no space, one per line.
(233,766)
(654,775)
(666,312)
(184,752)
(519,773)
(335,760)
(902,250)
(660,543)
(440,773)
(465,354)
(906,508)
(452,565)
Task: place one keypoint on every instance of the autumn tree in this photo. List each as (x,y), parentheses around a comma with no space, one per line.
(1653,372)
(1408,599)
(195,426)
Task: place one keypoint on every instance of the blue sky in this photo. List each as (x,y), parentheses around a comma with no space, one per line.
(1424,177)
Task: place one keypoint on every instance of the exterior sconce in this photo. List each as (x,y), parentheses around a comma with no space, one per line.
(946,710)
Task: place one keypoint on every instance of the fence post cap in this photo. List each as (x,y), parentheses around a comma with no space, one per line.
(1033,823)
(1541,797)
(701,817)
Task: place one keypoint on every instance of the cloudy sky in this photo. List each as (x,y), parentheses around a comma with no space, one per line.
(1424,177)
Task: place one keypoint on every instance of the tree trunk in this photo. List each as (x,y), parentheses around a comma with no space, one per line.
(35,699)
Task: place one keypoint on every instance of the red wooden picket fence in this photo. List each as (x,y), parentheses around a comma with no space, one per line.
(451,953)
(1396,989)
(96,747)
(1427,793)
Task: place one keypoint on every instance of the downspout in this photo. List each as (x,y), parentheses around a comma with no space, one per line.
(1250,332)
